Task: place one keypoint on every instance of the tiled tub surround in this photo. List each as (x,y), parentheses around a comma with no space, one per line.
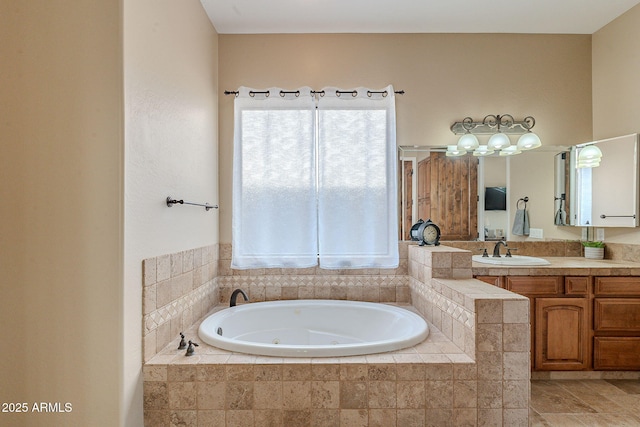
(434,383)
(411,387)
(371,288)
(491,326)
(271,284)
(178,289)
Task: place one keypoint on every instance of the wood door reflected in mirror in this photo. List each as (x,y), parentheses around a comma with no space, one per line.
(446,192)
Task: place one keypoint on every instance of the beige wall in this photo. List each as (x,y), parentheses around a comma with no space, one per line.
(71,282)
(616,89)
(171,96)
(61,229)
(446,77)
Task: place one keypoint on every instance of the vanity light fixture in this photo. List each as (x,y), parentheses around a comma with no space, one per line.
(454,151)
(483,150)
(510,150)
(499,126)
(589,156)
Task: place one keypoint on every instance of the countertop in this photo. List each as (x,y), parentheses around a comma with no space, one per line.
(565,266)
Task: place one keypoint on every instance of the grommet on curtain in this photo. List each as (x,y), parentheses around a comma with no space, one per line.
(266,93)
(384,93)
(353,93)
(294,92)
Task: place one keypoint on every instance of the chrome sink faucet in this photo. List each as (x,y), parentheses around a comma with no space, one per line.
(496,248)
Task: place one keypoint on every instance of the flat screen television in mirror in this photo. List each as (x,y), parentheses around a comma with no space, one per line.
(495,199)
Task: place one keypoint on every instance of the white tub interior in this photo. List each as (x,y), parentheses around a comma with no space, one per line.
(313,328)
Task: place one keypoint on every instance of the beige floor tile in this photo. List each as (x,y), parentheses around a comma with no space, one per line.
(585,403)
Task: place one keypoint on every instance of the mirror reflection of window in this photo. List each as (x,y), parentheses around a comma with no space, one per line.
(584,195)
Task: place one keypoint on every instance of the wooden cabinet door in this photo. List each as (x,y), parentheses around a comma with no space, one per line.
(407,213)
(424,189)
(454,196)
(562,334)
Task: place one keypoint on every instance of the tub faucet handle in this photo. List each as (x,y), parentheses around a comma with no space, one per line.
(183,343)
(190,349)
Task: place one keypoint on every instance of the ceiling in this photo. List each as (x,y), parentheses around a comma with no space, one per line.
(413,16)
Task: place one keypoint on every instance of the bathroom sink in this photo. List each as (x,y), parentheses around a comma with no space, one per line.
(515,260)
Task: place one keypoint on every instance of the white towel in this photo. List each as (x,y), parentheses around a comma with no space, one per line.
(521,223)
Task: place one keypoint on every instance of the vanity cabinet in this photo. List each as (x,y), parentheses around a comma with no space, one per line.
(580,322)
(560,320)
(616,323)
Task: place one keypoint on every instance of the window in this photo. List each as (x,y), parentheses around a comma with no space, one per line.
(314,180)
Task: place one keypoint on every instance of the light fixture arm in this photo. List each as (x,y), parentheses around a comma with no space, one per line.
(528,123)
(493,123)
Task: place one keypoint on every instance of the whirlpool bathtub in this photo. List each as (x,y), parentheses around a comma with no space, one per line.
(313,328)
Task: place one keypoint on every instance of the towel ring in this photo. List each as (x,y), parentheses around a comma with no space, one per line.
(525,199)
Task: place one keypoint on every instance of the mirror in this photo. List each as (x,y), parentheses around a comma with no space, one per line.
(513,172)
(606,195)
(451,192)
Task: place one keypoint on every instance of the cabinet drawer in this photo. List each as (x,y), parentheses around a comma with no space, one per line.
(539,285)
(616,353)
(617,286)
(492,280)
(576,285)
(616,315)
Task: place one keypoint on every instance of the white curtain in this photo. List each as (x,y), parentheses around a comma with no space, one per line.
(314,184)
(357,209)
(274,180)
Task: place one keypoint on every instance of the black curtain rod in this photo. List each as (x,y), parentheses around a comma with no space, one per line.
(353,93)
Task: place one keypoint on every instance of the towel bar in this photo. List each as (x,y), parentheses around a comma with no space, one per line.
(206,206)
